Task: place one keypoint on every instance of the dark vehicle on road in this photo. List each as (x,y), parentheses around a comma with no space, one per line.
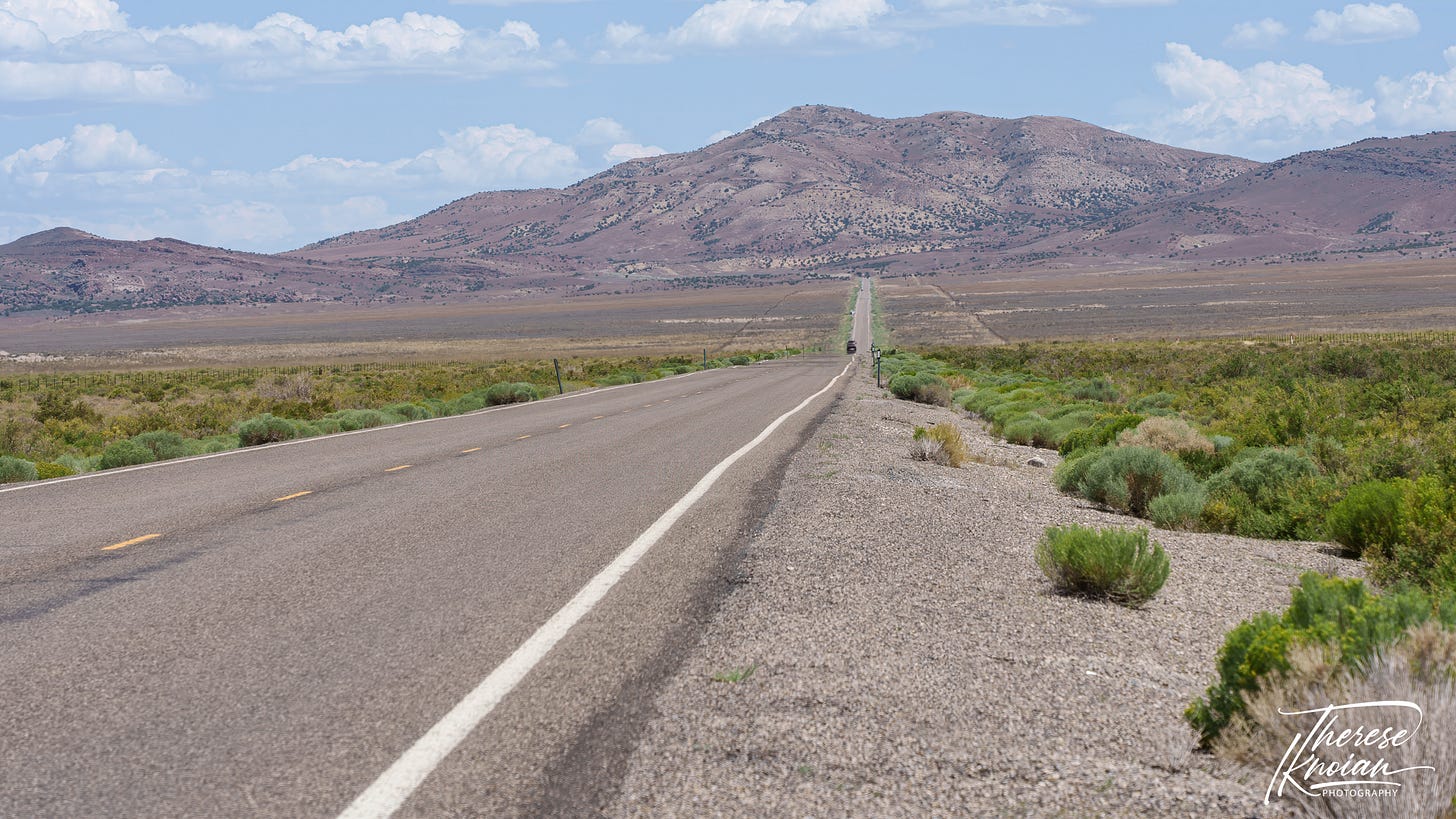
(850,347)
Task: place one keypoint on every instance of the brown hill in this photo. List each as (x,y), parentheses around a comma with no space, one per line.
(1374,196)
(813,187)
(67,269)
(816,191)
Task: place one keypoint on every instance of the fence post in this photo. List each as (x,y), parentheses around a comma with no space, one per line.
(560,390)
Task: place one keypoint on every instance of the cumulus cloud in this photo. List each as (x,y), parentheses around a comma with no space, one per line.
(107,82)
(1002,13)
(285,46)
(112,183)
(602,131)
(1424,100)
(1269,105)
(624,151)
(833,25)
(85,50)
(59,19)
(735,23)
(1265,33)
(88,148)
(1364,23)
(756,24)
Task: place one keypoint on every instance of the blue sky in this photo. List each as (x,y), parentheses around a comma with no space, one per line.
(267,125)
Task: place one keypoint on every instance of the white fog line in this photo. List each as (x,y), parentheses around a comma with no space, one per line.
(395,785)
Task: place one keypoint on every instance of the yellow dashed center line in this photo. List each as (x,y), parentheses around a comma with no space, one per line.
(294,495)
(468,451)
(134,541)
(645,406)
(398,468)
(598,417)
(563,426)
(523,437)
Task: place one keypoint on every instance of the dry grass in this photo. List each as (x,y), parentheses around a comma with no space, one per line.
(1168,434)
(1420,669)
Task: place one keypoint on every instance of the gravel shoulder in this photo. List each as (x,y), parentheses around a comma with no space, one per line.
(902,655)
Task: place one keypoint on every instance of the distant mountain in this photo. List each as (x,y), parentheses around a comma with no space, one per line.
(67,269)
(1377,195)
(812,187)
(815,191)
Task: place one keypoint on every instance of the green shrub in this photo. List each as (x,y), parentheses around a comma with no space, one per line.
(1156,401)
(1424,553)
(45,470)
(15,470)
(1068,475)
(1338,613)
(1118,564)
(1129,478)
(126,453)
(1078,440)
(357,419)
(740,360)
(409,412)
(1030,430)
(470,402)
(1268,493)
(1369,516)
(265,429)
(922,388)
(1263,474)
(1103,431)
(164,444)
(1095,389)
(1180,510)
(78,464)
(514,392)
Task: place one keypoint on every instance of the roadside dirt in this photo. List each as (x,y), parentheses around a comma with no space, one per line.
(893,650)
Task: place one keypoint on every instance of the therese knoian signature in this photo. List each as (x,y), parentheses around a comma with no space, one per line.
(1334,759)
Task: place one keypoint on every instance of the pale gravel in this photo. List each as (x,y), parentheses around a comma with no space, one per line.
(911,660)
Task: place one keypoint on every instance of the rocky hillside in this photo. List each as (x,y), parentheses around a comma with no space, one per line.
(812,187)
(815,191)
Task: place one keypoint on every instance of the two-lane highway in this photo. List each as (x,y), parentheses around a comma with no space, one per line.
(270,631)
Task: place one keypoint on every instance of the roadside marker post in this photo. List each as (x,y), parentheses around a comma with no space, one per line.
(560,390)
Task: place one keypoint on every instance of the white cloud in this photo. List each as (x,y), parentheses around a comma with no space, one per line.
(602,131)
(1001,13)
(85,50)
(727,24)
(20,35)
(284,46)
(1424,100)
(1270,106)
(1364,23)
(59,19)
(624,151)
(1265,33)
(107,181)
(107,82)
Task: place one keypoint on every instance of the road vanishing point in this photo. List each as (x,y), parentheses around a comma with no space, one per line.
(467,616)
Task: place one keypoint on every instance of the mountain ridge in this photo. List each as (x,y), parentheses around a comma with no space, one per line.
(815,191)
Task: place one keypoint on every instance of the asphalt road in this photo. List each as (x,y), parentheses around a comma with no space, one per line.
(265,633)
